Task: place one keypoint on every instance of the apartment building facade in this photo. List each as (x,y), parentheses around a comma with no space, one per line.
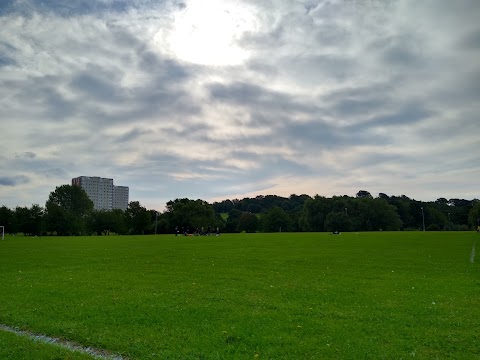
(120,197)
(103,193)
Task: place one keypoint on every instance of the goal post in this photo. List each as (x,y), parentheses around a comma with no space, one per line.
(2,229)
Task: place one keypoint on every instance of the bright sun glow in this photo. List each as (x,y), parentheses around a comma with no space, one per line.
(207,32)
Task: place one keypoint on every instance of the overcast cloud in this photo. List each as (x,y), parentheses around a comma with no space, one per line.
(222,99)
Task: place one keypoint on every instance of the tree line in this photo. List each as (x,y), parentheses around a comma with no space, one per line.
(69,211)
(344,213)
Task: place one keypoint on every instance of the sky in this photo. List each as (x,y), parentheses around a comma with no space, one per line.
(223,99)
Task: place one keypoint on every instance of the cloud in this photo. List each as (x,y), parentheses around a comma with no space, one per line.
(470,41)
(75,8)
(327,96)
(406,115)
(6,61)
(26,155)
(95,86)
(13,180)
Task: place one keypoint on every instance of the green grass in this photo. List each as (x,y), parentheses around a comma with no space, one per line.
(267,296)
(14,347)
(224,216)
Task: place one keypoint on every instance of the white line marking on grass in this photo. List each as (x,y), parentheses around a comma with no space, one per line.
(65,344)
(472,255)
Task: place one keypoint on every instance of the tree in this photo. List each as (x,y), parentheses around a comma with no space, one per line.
(474,215)
(298,201)
(59,221)
(66,210)
(383,196)
(103,222)
(71,198)
(138,219)
(314,213)
(232,221)
(376,214)
(441,201)
(276,219)
(220,222)
(248,222)
(6,219)
(403,207)
(190,214)
(163,225)
(35,226)
(435,219)
(21,219)
(337,221)
(223,207)
(364,194)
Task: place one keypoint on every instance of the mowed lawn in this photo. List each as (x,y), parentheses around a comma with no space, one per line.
(267,296)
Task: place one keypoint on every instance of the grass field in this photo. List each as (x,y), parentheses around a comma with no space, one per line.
(244,296)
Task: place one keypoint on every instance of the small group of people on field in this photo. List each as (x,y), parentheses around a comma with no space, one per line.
(185,231)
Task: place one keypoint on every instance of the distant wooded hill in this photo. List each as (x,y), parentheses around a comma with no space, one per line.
(69,211)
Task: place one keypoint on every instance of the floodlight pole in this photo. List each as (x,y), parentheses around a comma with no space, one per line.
(423,219)
(346,212)
(449,222)
(156,219)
